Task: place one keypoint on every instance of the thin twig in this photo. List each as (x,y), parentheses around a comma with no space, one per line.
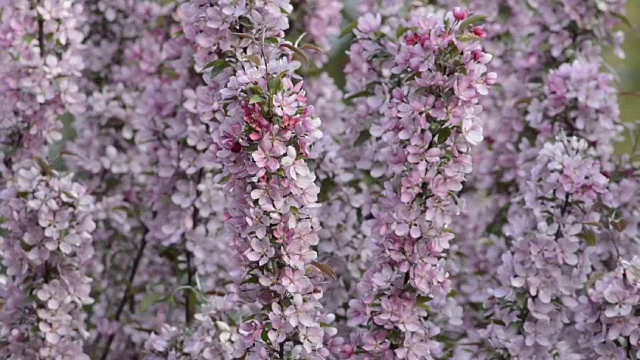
(281,351)
(41,34)
(189,311)
(188,306)
(127,293)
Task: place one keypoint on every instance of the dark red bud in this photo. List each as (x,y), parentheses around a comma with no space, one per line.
(236,147)
(479,31)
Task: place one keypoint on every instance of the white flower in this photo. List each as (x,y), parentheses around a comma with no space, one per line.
(472,130)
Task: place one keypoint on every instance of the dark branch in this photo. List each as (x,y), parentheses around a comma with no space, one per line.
(126,295)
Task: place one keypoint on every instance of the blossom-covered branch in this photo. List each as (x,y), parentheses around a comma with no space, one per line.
(427,82)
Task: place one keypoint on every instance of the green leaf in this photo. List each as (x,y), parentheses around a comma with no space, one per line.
(297,42)
(589,236)
(243,35)
(623,18)
(525,100)
(362,138)
(256,98)
(254,59)
(130,212)
(150,300)
(192,293)
(596,224)
(592,280)
(170,72)
(275,83)
(70,153)
(216,66)
(216,63)
(516,325)
(349,28)
(251,280)
(225,179)
(473,20)
(249,318)
(360,94)
(468,37)
(401,30)
(272,40)
(423,302)
(326,186)
(29,38)
(443,135)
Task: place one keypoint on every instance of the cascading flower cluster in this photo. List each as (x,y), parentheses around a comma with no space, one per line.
(274,199)
(263,130)
(551,251)
(46,226)
(45,252)
(424,126)
(40,65)
(553,228)
(182,180)
(137,138)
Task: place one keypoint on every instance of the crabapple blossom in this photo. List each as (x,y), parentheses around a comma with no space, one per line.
(407,269)
(183,179)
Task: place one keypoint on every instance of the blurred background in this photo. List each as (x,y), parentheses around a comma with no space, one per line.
(628,70)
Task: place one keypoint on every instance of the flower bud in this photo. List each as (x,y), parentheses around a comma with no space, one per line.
(479,31)
(460,13)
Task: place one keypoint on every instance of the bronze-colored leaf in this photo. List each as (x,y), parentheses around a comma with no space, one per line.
(46,169)
(326,269)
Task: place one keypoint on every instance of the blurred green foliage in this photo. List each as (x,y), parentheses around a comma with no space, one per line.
(628,70)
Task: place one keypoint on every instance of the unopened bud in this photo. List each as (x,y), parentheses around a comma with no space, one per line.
(460,13)
(479,31)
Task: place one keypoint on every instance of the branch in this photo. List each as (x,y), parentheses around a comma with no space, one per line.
(127,293)
(189,306)
(41,33)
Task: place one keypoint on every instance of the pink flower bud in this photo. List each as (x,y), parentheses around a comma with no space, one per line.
(460,13)
(479,31)
(481,57)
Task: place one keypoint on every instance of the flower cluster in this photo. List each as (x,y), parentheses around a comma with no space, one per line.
(162,201)
(40,66)
(550,224)
(263,129)
(181,180)
(45,236)
(45,252)
(424,125)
